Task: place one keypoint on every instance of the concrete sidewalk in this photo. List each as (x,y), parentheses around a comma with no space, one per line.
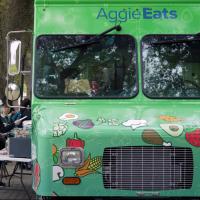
(16,191)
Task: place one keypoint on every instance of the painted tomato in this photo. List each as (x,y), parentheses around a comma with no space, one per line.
(193,137)
(36,174)
(75,142)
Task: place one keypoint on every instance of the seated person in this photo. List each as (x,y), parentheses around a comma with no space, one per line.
(6,124)
(14,114)
(5,127)
(26,110)
(5,114)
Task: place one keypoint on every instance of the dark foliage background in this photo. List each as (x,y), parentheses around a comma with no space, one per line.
(15,15)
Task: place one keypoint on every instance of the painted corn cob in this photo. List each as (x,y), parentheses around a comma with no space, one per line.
(90,166)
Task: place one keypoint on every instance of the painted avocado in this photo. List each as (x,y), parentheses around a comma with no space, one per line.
(174,130)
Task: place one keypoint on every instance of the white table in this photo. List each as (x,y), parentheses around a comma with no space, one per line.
(10,158)
(19,162)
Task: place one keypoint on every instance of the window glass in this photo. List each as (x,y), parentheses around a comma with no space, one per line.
(85,66)
(171,66)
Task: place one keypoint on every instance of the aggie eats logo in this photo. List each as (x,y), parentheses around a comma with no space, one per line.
(124,14)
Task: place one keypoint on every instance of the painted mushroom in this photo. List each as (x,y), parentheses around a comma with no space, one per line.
(58,172)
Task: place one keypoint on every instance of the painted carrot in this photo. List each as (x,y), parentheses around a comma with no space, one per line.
(170,118)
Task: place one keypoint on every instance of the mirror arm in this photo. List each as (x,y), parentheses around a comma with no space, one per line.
(25,72)
(10,106)
(20,31)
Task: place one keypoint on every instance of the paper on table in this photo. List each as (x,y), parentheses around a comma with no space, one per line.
(23,118)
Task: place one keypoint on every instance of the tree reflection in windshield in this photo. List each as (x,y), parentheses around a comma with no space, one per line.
(171,69)
(104,69)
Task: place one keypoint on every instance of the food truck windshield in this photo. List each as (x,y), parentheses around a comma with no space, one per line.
(104,69)
(171,66)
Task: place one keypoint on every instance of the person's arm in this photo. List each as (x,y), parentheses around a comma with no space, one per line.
(15,116)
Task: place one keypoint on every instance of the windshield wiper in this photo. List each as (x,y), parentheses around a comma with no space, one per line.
(90,41)
(176,41)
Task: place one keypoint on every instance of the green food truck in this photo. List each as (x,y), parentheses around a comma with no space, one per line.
(116,98)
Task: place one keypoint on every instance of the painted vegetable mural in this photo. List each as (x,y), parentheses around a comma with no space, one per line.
(75,142)
(193,137)
(55,153)
(36,176)
(71,180)
(59,129)
(91,165)
(174,130)
(170,118)
(84,124)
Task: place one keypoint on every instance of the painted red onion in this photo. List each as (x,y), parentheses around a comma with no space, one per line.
(85,124)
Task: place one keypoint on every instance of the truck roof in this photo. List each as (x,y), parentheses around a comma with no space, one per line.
(46,2)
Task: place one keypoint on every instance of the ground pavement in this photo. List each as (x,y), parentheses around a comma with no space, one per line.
(16,184)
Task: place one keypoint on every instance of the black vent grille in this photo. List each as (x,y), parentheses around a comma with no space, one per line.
(147,168)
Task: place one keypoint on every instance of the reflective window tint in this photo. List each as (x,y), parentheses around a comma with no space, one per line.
(171,66)
(66,66)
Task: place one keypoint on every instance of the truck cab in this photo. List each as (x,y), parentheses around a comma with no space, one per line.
(116,96)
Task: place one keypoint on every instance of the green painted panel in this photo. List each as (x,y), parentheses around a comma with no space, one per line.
(108,127)
(45,2)
(104,123)
(97,18)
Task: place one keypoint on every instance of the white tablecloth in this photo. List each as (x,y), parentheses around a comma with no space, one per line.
(8,158)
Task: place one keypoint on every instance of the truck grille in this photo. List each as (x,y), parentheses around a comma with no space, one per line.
(147,168)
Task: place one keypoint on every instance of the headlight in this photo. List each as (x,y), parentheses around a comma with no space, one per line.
(71,157)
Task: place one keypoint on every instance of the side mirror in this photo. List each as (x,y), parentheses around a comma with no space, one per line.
(14,57)
(12,92)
